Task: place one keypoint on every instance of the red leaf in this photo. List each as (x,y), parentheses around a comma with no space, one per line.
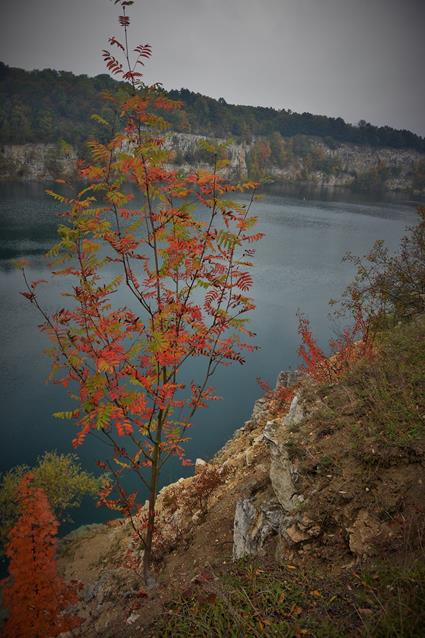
(112,40)
(124,21)
(28,295)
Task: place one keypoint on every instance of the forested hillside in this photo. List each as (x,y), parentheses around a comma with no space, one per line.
(48,106)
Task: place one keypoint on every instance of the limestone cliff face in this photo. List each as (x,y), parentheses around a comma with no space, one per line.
(186,148)
(352,166)
(36,162)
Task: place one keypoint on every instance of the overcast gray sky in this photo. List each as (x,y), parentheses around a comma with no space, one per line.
(359,59)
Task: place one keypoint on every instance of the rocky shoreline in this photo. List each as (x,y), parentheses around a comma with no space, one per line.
(286,486)
(356,165)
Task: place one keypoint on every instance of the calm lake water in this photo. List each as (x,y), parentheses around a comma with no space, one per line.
(298,266)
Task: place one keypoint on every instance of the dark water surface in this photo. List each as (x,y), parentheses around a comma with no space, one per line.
(298,265)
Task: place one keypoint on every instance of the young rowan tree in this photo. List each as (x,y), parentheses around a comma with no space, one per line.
(35,595)
(180,258)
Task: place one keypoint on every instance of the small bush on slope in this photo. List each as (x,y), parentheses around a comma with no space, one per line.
(60,476)
(35,596)
(389,287)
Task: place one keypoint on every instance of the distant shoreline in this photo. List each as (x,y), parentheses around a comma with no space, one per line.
(346,168)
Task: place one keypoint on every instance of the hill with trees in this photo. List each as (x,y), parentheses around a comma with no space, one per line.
(48,106)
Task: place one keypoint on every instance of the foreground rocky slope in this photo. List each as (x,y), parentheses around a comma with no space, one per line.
(297,504)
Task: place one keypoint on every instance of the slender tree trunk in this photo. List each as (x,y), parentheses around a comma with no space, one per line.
(156,458)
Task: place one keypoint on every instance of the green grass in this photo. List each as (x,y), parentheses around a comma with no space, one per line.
(383,398)
(398,596)
(253,601)
(392,388)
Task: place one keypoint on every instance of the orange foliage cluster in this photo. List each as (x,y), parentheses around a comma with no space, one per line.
(278,397)
(34,594)
(354,344)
